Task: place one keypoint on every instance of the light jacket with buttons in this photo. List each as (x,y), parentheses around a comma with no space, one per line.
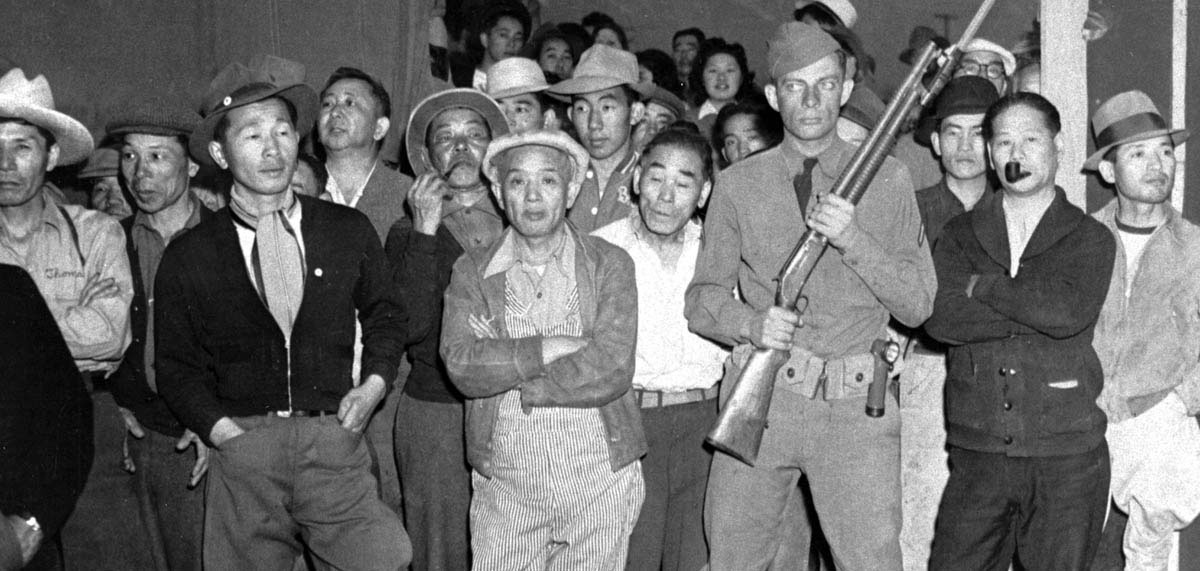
(600,375)
(1148,335)
(1022,377)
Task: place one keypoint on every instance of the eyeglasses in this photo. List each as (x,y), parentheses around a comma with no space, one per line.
(991,70)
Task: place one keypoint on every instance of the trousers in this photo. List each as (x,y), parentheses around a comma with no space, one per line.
(1048,511)
(1155,471)
(553,500)
(306,477)
(172,514)
(432,459)
(853,466)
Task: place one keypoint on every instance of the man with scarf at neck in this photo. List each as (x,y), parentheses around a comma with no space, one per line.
(255,327)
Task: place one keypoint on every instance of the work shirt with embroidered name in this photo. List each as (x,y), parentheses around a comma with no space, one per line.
(60,254)
(596,208)
(670,358)
(150,246)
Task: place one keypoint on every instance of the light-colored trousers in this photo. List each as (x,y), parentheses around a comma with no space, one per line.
(553,501)
(1155,479)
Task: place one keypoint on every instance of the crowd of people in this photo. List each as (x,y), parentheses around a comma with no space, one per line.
(544,306)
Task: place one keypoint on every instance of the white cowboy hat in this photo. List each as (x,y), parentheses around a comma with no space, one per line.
(32,102)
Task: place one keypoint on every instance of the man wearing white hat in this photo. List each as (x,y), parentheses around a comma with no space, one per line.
(76,256)
(539,335)
(989,60)
(1148,329)
(606,102)
(518,84)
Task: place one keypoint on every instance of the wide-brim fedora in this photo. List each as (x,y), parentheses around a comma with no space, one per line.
(1126,118)
(239,85)
(515,76)
(602,67)
(31,101)
(425,111)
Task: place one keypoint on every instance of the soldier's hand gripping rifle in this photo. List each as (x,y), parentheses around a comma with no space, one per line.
(739,429)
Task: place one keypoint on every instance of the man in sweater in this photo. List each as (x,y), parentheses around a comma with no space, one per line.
(155,166)
(1148,330)
(1020,284)
(254,324)
(449,216)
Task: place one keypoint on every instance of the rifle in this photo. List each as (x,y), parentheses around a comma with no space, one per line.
(739,428)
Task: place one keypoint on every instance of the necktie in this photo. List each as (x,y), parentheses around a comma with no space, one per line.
(802,184)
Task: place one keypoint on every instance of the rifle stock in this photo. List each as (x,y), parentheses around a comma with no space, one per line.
(739,428)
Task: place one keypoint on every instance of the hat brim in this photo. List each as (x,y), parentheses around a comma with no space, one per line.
(74,142)
(302,97)
(1178,137)
(555,140)
(512,91)
(425,111)
(594,83)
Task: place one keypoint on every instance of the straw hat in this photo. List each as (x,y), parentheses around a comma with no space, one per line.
(425,111)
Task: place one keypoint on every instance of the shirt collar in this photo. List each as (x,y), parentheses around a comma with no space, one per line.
(510,253)
(829,161)
(337,196)
(141,219)
(485,205)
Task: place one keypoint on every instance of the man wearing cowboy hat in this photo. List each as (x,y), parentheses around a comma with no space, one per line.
(1020,283)
(876,266)
(154,163)
(539,336)
(255,323)
(452,211)
(75,255)
(1149,329)
(518,84)
(606,102)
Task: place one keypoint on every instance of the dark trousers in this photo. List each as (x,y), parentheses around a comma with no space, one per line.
(297,476)
(1049,511)
(432,458)
(172,514)
(669,534)
(105,530)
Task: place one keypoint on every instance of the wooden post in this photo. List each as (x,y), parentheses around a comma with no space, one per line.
(1064,83)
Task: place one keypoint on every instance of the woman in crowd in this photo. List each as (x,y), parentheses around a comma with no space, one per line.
(722,70)
(612,35)
(555,51)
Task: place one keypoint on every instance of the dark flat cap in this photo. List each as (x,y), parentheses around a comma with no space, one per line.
(154,115)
